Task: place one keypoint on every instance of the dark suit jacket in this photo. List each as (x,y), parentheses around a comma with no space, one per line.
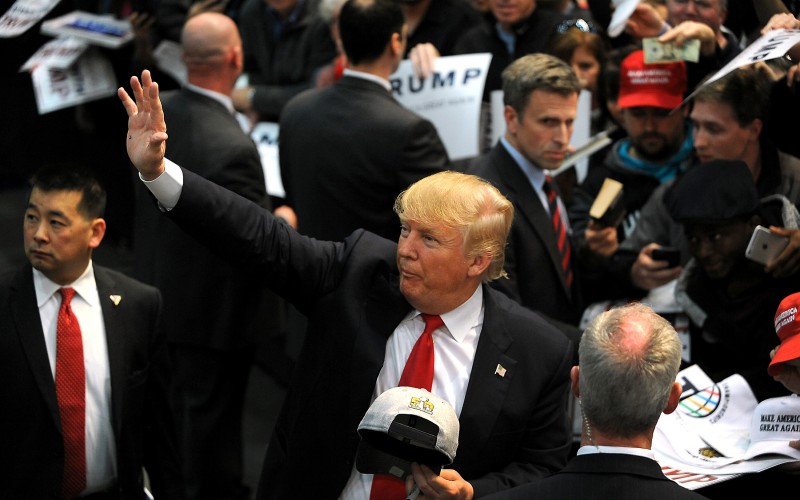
(31,446)
(347,151)
(513,427)
(206,137)
(603,476)
(533,262)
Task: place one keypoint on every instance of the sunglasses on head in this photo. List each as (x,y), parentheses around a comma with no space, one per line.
(581,24)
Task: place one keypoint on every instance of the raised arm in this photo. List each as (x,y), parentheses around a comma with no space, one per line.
(147,130)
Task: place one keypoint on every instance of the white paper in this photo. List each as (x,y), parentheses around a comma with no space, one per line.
(168,56)
(89,79)
(622,11)
(105,31)
(450,99)
(708,434)
(265,135)
(773,44)
(60,53)
(24,14)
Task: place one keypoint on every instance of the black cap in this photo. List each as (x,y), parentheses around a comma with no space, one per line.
(714,192)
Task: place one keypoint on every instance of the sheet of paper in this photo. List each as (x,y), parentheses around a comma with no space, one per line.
(450,98)
(22,15)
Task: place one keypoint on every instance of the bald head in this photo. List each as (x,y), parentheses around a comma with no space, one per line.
(207,38)
(212,51)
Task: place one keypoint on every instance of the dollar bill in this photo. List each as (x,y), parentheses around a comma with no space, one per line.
(656,52)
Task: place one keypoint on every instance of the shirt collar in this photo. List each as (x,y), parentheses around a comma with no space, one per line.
(535,175)
(463,318)
(641,452)
(368,76)
(223,99)
(45,288)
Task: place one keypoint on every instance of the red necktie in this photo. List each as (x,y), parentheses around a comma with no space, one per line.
(560,229)
(71,394)
(418,372)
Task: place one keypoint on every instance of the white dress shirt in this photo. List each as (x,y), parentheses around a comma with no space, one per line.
(454,347)
(101,461)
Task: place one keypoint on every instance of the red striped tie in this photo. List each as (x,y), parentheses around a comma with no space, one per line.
(71,394)
(561,230)
(418,372)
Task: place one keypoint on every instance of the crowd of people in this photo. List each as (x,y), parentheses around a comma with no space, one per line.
(379,231)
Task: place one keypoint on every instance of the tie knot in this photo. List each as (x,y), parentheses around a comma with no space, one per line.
(66,295)
(432,321)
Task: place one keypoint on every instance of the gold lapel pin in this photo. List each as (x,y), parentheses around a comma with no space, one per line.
(117,298)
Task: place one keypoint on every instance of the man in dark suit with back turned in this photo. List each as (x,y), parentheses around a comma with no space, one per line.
(347,150)
(214,311)
(540,94)
(630,358)
(502,367)
(82,356)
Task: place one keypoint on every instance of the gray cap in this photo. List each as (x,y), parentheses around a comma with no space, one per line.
(404,425)
(715,192)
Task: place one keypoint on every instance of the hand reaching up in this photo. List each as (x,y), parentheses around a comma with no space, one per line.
(147,130)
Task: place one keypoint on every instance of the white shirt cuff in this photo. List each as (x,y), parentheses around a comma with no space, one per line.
(166,187)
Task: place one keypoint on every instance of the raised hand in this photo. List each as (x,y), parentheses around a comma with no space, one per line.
(147,130)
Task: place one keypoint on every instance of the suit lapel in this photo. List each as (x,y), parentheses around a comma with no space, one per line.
(492,372)
(25,311)
(115,339)
(530,209)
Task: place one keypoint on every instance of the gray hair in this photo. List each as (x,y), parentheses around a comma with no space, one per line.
(629,359)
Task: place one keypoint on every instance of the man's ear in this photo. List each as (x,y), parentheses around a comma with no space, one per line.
(98,229)
(512,118)
(396,44)
(479,264)
(674,398)
(755,127)
(574,375)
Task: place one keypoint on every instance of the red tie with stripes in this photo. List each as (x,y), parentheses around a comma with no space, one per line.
(71,394)
(418,372)
(561,230)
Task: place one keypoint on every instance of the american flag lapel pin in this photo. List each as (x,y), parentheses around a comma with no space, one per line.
(500,370)
(116,299)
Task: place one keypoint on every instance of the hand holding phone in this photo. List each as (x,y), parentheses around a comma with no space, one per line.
(765,245)
(671,255)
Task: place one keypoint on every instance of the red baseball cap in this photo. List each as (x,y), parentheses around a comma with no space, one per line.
(659,85)
(787,326)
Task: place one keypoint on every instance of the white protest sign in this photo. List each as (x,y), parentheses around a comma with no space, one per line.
(773,44)
(24,14)
(89,79)
(450,98)
(265,135)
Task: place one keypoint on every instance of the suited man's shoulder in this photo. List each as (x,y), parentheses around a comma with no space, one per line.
(523,321)
(106,276)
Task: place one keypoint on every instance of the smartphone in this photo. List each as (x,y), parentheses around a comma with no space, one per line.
(765,245)
(671,255)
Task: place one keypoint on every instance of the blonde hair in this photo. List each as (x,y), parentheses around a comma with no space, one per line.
(464,202)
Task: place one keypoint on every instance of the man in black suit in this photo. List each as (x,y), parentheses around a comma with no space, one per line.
(211,353)
(348,149)
(540,94)
(502,367)
(118,420)
(630,358)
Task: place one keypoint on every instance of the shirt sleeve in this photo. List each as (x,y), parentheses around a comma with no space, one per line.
(166,187)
